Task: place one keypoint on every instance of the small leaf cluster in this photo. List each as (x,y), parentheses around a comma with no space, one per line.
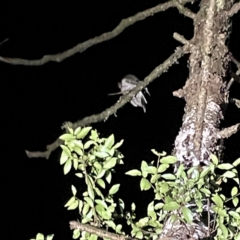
(40,236)
(176,195)
(227,221)
(94,159)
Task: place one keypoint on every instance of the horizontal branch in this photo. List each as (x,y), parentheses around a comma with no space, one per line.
(103,37)
(235,101)
(50,148)
(235,8)
(228,132)
(113,109)
(99,232)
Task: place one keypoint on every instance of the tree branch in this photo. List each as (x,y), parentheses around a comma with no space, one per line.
(113,109)
(235,8)
(99,232)
(81,47)
(50,148)
(127,97)
(235,101)
(105,234)
(228,132)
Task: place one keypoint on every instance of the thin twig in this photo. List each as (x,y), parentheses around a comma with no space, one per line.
(101,38)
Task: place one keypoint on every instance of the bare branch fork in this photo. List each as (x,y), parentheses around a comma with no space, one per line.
(81,47)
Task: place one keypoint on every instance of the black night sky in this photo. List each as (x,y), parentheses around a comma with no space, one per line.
(35,101)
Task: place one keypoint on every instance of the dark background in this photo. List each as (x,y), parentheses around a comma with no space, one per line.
(35,101)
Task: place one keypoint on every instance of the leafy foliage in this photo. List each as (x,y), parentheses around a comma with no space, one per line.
(184,196)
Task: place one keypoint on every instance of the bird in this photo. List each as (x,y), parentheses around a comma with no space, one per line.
(126,85)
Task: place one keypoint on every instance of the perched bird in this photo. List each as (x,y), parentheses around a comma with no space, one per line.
(126,85)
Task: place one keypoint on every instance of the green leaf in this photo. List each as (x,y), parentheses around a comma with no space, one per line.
(67,166)
(121,204)
(234,214)
(224,230)
(225,166)
(110,141)
(91,192)
(187,214)
(80,175)
(64,157)
(89,201)
(163,167)
(70,201)
(217,200)
(74,205)
(101,203)
(171,206)
(236,162)
(237,237)
(145,184)
(144,166)
(94,135)
(101,173)
(168,176)
(76,234)
(106,215)
(111,224)
(74,190)
(118,228)
(110,163)
(78,150)
(67,137)
(206,191)
(163,187)
(93,237)
(158,206)
(40,236)
(157,153)
(88,144)
(204,172)
(77,131)
(70,130)
(151,169)
(75,163)
(180,170)
(154,178)
(235,201)
(134,172)
(114,189)
(49,237)
(229,174)
(214,159)
(139,235)
(234,191)
(101,183)
(133,207)
(83,133)
(101,154)
(66,150)
(108,177)
(85,209)
(168,160)
(236,180)
(119,144)
(80,206)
